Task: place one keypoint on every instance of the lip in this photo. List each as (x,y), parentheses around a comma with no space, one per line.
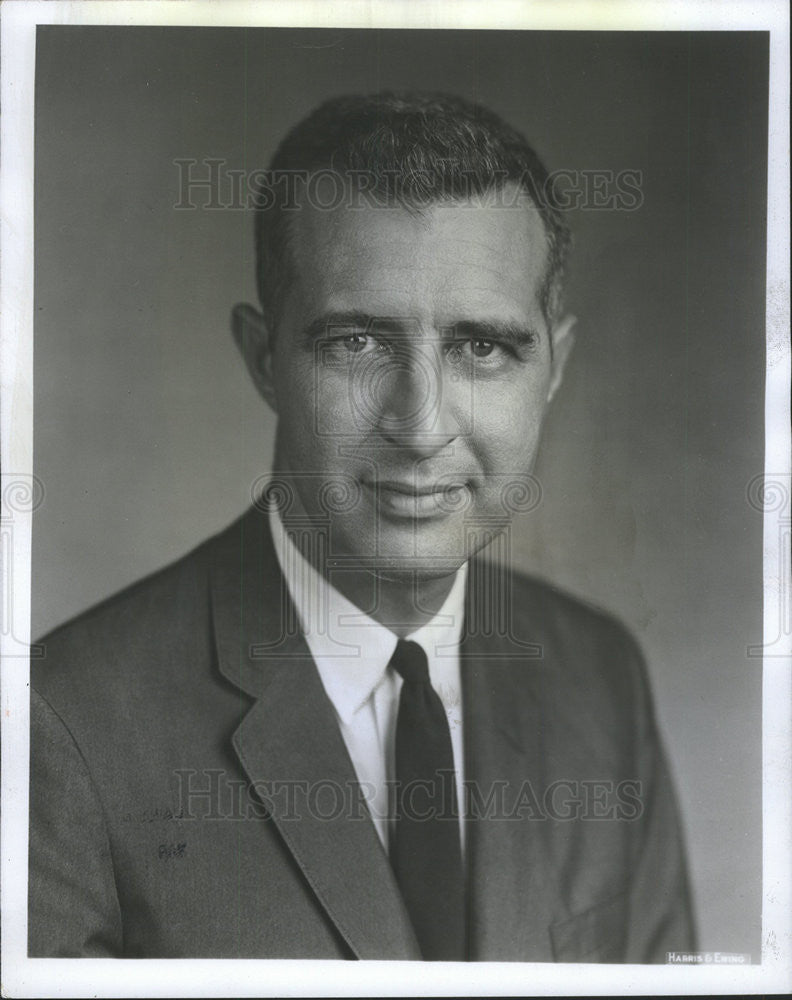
(411,500)
(407,489)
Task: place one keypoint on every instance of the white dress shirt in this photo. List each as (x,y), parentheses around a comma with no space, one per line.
(352,652)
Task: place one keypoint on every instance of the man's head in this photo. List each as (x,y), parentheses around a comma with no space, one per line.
(410,260)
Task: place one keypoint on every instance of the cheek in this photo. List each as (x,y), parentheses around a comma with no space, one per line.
(296,392)
(299,446)
(320,392)
(507,424)
(313,417)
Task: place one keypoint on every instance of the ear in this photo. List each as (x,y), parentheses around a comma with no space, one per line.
(563,337)
(255,343)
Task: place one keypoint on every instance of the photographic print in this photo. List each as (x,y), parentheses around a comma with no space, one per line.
(401,518)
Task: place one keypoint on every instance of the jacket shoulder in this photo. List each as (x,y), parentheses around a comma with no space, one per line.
(563,611)
(592,651)
(162,619)
(132,606)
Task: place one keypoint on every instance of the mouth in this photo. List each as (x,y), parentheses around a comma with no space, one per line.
(414,500)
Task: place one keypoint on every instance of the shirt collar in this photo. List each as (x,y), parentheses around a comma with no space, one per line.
(350,648)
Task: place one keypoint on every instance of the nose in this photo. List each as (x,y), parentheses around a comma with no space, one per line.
(414,401)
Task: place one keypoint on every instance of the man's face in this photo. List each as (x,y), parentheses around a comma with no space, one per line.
(410,372)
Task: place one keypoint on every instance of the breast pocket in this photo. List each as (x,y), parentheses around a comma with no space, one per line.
(599,934)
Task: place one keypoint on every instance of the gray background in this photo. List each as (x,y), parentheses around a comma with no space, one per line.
(148,434)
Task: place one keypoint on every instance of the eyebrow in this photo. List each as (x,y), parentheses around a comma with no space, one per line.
(354,319)
(515,334)
(503,331)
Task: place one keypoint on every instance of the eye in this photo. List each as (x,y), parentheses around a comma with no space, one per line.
(355,342)
(474,347)
(482,347)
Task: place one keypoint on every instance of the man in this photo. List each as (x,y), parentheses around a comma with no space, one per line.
(334,730)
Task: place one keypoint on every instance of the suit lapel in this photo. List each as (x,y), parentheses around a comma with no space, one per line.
(508,864)
(291,748)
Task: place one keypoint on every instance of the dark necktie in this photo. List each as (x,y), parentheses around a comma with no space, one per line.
(425,852)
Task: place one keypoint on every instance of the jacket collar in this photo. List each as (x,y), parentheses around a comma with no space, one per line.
(291,748)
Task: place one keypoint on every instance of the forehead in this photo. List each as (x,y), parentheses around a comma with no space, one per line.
(448,261)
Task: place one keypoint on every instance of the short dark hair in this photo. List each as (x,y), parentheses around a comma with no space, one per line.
(414,149)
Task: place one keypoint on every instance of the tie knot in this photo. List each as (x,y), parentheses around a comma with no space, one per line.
(409,660)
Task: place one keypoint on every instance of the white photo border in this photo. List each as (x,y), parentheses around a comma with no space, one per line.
(24,977)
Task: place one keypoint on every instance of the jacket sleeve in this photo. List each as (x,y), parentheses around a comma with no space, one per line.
(73,907)
(661,918)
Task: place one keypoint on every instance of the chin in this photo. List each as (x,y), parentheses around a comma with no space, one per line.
(397,574)
(409,550)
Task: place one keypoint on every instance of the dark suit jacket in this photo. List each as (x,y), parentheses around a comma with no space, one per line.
(197,681)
